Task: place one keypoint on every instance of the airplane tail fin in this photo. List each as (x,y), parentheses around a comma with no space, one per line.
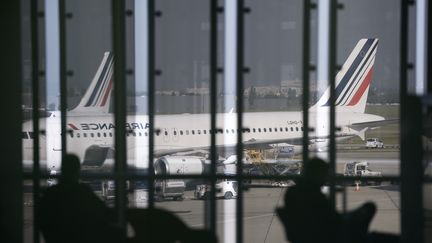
(98,95)
(353,80)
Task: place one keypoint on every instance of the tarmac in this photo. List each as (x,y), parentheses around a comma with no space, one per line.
(260,223)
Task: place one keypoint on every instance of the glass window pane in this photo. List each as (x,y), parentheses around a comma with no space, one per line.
(368,84)
(181,105)
(273,99)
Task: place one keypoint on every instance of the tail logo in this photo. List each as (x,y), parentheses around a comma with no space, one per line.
(355,76)
(103,87)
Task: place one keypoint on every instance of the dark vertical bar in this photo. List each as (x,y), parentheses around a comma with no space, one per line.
(63,78)
(239,88)
(35,114)
(411,171)
(411,146)
(119,35)
(151,98)
(213,109)
(306,86)
(332,75)
(11,189)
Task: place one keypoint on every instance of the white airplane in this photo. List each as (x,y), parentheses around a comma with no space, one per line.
(92,126)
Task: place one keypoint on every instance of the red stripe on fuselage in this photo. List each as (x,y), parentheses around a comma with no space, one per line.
(362,89)
(73,126)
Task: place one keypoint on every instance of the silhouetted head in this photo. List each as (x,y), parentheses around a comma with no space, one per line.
(70,168)
(315,171)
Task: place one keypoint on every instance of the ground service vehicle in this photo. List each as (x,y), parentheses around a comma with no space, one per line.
(173,189)
(374,143)
(361,168)
(224,189)
(108,189)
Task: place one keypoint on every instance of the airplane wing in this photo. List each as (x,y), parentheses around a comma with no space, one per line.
(373,124)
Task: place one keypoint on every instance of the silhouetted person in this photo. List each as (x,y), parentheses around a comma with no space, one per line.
(160,226)
(308,216)
(71,212)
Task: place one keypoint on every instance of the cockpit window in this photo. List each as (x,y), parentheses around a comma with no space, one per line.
(31,134)
(24,135)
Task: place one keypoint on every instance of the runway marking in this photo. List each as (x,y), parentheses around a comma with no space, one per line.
(391,198)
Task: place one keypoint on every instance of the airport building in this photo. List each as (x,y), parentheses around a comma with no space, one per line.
(210,110)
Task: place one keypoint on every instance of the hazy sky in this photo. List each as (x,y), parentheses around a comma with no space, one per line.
(273,44)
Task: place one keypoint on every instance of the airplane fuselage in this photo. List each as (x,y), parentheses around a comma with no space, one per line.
(182,132)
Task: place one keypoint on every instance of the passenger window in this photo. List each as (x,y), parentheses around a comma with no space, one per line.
(181,132)
(98,134)
(205,131)
(78,135)
(110,134)
(193,132)
(280,129)
(91,134)
(71,134)
(139,134)
(104,134)
(292,129)
(187,132)
(232,130)
(297,129)
(253,130)
(175,132)
(166,133)
(265,130)
(199,132)
(85,135)
(146,134)
(259,129)
(270,130)
(286,129)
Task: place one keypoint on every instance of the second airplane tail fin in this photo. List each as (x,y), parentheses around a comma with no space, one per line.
(97,98)
(353,80)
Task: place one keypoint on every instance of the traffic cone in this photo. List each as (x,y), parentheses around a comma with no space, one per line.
(357,188)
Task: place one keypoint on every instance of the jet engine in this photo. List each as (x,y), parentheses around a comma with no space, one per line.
(179,165)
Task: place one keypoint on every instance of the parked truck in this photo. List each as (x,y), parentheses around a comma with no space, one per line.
(108,189)
(361,169)
(169,189)
(226,189)
(374,143)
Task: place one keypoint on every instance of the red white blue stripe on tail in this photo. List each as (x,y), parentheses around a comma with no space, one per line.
(353,80)
(97,97)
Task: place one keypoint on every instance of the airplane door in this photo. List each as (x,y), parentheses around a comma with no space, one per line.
(175,134)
